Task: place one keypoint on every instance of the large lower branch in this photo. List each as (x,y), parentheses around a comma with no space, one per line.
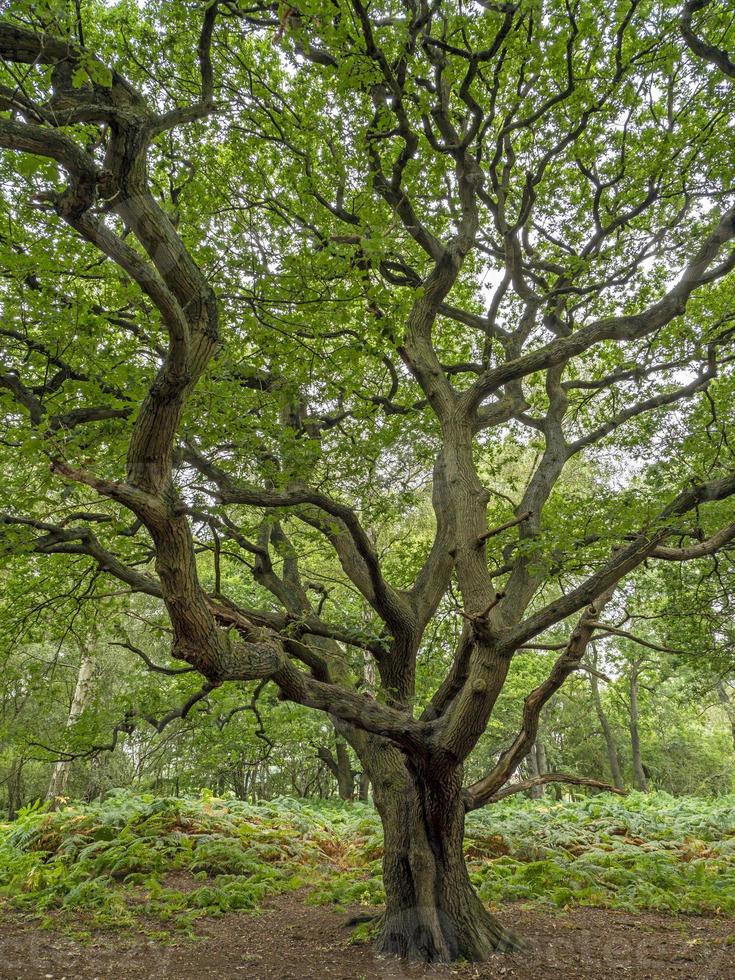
(485,789)
(473,803)
(644,545)
(59,539)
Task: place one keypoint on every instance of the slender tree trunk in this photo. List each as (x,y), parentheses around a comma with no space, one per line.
(539,750)
(14,785)
(340,765)
(727,704)
(536,792)
(612,749)
(345,776)
(635,741)
(364,787)
(82,690)
(432,913)
(536,763)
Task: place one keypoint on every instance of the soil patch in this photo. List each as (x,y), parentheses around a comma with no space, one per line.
(293,941)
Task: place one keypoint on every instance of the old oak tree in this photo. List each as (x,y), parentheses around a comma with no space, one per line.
(274,276)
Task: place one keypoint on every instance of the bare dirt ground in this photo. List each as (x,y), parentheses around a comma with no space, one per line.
(292,941)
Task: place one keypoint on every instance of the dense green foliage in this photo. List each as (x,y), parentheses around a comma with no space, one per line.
(134,860)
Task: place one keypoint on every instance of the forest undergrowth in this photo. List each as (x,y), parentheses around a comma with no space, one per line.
(157,865)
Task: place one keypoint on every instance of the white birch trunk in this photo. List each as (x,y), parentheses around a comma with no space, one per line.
(82,691)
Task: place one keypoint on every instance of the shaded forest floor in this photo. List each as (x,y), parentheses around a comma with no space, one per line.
(135,886)
(291,940)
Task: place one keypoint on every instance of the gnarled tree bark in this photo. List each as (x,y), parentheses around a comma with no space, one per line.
(432,911)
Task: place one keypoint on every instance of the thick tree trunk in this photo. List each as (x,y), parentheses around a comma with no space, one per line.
(432,913)
(82,690)
(639,774)
(612,749)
